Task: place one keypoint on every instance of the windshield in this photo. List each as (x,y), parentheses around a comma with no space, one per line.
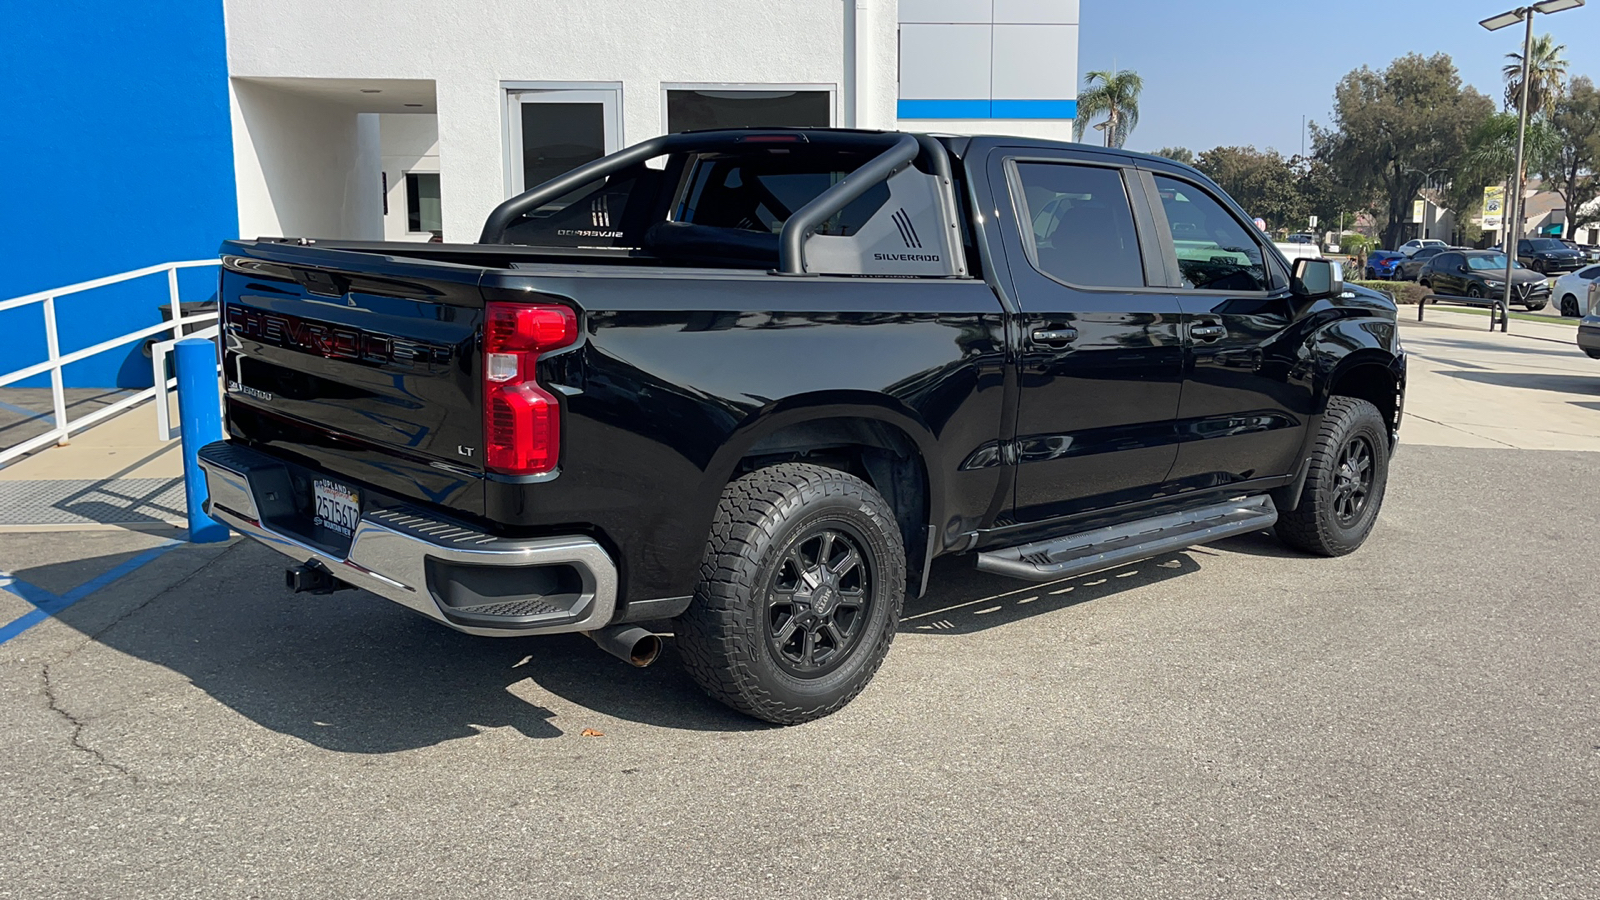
(1547,244)
(1487,263)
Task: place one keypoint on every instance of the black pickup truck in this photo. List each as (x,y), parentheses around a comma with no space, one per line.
(755,381)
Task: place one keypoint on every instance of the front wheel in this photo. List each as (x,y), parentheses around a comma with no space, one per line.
(800,593)
(1345,485)
(1475,292)
(1535,305)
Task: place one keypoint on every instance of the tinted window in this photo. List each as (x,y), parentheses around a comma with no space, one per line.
(1447,261)
(1590,273)
(690,110)
(760,193)
(1485,263)
(1081,225)
(1215,250)
(1545,245)
(1427,252)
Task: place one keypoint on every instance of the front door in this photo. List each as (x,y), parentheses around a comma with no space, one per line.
(1101,352)
(1247,395)
(552,132)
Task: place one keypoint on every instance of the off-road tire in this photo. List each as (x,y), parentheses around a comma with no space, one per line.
(723,636)
(1313,525)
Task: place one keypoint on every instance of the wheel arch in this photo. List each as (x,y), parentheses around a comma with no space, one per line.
(870,435)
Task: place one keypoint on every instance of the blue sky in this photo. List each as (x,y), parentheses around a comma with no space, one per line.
(1219,72)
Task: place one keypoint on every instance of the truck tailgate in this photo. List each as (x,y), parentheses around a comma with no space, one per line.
(362,362)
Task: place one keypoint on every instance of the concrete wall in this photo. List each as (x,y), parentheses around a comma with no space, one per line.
(305,167)
(114,124)
(470,49)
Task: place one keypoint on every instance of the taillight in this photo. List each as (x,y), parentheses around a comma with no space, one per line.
(521,421)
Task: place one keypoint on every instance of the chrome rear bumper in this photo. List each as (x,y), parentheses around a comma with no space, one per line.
(404,556)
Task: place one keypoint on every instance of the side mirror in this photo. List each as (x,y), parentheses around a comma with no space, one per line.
(1315,279)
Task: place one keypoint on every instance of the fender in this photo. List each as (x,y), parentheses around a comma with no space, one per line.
(803,408)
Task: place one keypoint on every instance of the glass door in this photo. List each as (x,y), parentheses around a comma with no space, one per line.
(555,131)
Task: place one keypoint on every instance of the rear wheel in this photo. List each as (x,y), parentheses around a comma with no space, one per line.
(1345,484)
(800,593)
(1569,307)
(1371,275)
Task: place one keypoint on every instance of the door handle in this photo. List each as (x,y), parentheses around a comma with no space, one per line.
(1206,332)
(1064,334)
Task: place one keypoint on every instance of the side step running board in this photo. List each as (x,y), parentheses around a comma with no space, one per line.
(1119,544)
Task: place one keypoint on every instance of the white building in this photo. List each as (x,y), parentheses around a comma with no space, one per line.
(405,119)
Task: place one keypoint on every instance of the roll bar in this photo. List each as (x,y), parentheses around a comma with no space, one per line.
(791,241)
(901,151)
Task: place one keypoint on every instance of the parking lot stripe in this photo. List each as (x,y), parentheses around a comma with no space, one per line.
(49,604)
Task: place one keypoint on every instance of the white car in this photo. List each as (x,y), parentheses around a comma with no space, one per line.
(1572,288)
(1411,247)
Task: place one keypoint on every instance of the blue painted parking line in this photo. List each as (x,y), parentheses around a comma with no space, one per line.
(48,417)
(47,604)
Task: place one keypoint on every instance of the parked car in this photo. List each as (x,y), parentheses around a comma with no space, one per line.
(1572,290)
(1381,264)
(1409,248)
(1589,328)
(1302,237)
(1548,256)
(1410,268)
(1589,252)
(1293,250)
(764,414)
(1481,275)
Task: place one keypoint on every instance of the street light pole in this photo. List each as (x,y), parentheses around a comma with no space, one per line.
(1513,229)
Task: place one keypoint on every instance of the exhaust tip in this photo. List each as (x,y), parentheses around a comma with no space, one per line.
(629,643)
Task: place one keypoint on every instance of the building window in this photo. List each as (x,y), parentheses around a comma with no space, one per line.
(422,203)
(697,109)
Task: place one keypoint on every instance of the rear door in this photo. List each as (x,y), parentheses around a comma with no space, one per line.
(1246,397)
(1101,351)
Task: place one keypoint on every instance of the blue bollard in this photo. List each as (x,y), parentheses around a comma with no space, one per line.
(200,423)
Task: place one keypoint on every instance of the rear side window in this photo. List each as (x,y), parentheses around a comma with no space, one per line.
(761,193)
(1215,250)
(1080,224)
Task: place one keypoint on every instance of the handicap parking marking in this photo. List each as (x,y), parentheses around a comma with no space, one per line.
(47,604)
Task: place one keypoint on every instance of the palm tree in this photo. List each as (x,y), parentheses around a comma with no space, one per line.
(1114,95)
(1546,71)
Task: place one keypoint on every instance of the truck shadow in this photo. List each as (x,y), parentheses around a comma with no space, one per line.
(962,600)
(353,673)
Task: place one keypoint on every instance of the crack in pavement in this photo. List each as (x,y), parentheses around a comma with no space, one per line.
(76,741)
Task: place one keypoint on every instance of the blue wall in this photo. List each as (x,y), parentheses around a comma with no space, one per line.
(114,123)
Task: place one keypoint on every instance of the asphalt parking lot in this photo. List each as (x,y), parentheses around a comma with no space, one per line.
(1421,718)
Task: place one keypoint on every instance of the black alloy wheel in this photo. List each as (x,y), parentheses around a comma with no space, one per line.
(1569,307)
(820,600)
(1353,480)
(1475,291)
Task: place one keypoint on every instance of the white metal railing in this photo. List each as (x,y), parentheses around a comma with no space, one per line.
(62,428)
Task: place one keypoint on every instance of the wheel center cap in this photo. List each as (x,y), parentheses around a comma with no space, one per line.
(824,600)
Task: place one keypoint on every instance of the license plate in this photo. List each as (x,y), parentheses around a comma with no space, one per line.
(337,507)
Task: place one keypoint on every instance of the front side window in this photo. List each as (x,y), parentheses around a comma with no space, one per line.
(1215,250)
(1080,224)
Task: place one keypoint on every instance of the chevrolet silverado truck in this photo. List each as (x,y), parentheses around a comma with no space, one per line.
(756,381)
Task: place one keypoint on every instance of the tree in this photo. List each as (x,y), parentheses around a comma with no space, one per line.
(1395,130)
(1262,182)
(1573,169)
(1177,154)
(1114,95)
(1546,71)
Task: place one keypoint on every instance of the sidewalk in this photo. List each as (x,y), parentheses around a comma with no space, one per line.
(1529,389)
(116,475)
